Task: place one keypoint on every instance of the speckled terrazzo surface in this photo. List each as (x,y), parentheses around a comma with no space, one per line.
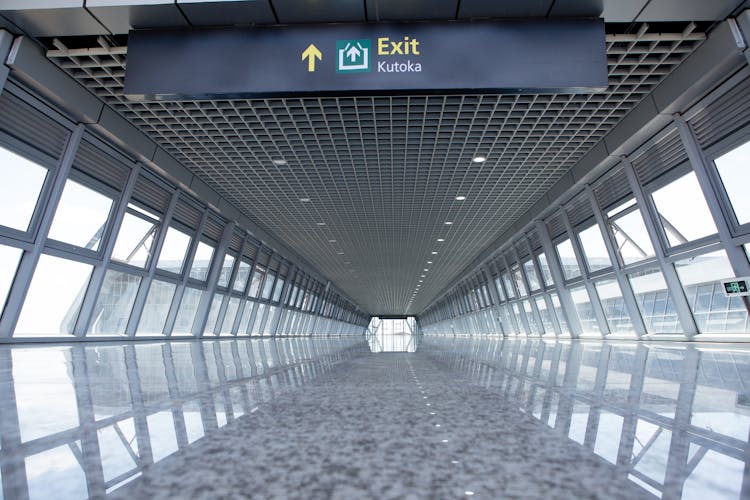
(324,417)
(390,425)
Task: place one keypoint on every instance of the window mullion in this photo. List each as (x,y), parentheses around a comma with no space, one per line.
(566,301)
(674,288)
(29,260)
(622,280)
(737,257)
(187,264)
(100,270)
(583,265)
(212,280)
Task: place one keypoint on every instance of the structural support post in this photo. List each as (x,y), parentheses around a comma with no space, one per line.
(204,306)
(737,257)
(566,301)
(622,280)
(26,267)
(88,308)
(650,218)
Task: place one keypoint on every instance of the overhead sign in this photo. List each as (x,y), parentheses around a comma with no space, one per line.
(523,56)
(736,287)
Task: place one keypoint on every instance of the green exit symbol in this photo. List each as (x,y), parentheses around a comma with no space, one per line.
(352,56)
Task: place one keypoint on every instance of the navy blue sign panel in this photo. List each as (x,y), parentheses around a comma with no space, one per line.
(523,56)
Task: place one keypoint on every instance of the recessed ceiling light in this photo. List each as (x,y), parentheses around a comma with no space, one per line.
(304,200)
(321,223)
(448,223)
(440,240)
(340,253)
(331,241)
(421,281)
(479,159)
(279,162)
(422,276)
(460,198)
(433,253)
(426,270)
(429,262)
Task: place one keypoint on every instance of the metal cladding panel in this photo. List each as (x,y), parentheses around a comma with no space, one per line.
(693,10)
(235,244)
(612,188)
(187,214)
(660,157)
(151,194)
(250,250)
(68,21)
(23,122)
(555,227)
(392,10)
(319,11)
(579,210)
(213,229)
(508,8)
(121,19)
(201,13)
(722,117)
(565,55)
(101,166)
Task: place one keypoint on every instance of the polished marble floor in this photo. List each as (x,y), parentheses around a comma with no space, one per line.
(400,417)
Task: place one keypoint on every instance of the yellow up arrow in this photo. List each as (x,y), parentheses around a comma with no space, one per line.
(310,53)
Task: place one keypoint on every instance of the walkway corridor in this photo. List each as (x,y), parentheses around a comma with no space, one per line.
(328,418)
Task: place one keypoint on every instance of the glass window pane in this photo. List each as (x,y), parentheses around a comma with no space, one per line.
(633,241)
(568,259)
(544,313)
(19,191)
(183,324)
(202,261)
(258,320)
(657,309)
(229,317)
(246,317)
(213,314)
(684,213)
(173,251)
(243,272)
(499,288)
(531,275)
(536,329)
(594,248)
(517,313)
(268,285)
(560,315)
(278,289)
(54,297)
(585,310)
(735,175)
(508,286)
(114,304)
(9,258)
(257,280)
(134,241)
(226,270)
(712,310)
(156,309)
(520,285)
(546,273)
(81,216)
(614,307)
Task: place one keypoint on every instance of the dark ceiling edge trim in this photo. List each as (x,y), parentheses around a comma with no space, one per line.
(716,59)
(29,66)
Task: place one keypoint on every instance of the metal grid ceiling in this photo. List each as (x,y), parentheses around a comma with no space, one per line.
(382,173)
